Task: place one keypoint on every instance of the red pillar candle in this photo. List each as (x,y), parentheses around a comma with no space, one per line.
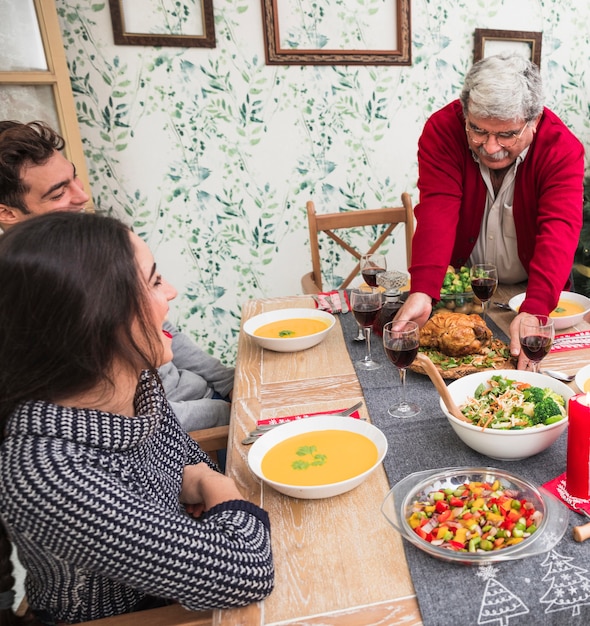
(578,447)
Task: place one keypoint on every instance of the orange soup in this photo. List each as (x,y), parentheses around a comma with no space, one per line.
(296,327)
(566,307)
(321,457)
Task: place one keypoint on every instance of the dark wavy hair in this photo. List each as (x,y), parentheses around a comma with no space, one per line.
(20,145)
(70,292)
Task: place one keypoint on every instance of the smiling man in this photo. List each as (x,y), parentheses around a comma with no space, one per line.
(35,177)
(500,181)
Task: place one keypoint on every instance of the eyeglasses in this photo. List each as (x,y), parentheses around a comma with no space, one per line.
(504,139)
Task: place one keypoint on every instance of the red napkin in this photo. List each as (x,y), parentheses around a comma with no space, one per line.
(557,488)
(291,418)
(571,341)
(335,301)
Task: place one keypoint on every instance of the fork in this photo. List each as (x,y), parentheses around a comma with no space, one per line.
(260,430)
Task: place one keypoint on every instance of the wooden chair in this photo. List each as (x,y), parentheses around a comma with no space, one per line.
(211,439)
(329,222)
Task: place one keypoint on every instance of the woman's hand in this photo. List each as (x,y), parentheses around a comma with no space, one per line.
(203,488)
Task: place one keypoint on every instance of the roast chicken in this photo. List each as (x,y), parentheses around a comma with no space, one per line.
(456,334)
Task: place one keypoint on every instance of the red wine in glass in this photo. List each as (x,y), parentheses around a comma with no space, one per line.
(483,288)
(484,280)
(371,265)
(370,275)
(365,314)
(366,306)
(402,357)
(535,347)
(401,340)
(536,334)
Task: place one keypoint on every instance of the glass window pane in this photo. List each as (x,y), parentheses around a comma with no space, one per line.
(22,46)
(26,103)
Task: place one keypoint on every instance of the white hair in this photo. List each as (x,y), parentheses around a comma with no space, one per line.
(504,87)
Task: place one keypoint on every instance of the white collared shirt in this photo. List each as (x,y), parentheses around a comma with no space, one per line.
(496,243)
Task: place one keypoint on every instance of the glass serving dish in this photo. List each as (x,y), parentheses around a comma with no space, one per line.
(398,503)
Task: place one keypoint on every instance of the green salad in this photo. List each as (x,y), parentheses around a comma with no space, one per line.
(507,404)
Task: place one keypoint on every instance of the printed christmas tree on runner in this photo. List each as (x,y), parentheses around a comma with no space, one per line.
(499,604)
(569,588)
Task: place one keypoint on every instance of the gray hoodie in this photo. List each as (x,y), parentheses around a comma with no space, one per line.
(191,379)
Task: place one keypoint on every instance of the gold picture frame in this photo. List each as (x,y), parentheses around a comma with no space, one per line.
(193,27)
(488,42)
(285,29)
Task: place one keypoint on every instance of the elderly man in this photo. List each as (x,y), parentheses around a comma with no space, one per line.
(500,181)
(36,178)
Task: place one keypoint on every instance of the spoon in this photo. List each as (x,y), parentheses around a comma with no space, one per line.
(566,378)
(441,387)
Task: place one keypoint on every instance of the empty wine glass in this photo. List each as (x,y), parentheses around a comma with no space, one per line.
(372,264)
(484,280)
(365,307)
(536,334)
(401,339)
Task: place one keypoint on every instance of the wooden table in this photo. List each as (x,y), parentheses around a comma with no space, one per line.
(337,560)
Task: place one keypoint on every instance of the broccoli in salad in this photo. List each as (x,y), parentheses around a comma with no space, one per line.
(512,405)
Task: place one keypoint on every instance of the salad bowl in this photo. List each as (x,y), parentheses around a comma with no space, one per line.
(551,515)
(505,445)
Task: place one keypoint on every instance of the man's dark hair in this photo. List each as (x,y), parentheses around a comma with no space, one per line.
(22,145)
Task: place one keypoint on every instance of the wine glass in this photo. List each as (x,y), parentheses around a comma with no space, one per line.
(536,333)
(365,307)
(401,339)
(372,264)
(484,280)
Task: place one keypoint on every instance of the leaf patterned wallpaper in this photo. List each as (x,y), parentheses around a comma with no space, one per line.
(211,154)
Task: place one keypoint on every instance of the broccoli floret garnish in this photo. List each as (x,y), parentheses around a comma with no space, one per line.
(534,394)
(545,410)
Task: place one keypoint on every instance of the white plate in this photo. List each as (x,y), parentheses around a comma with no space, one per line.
(311,424)
(559,322)
(582,376)
(288,344)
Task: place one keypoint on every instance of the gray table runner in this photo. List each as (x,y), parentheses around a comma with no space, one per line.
(551,588)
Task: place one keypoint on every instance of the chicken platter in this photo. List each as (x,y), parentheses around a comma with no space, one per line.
(460,344)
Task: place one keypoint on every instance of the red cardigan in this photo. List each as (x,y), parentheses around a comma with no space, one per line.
(548,200)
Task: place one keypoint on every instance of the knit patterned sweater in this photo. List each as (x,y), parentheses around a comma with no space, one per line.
(91,501)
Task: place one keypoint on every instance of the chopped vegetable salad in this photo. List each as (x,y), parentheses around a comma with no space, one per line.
(474,517)
(507,404)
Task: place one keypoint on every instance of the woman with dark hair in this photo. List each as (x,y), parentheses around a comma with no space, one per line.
(111,505)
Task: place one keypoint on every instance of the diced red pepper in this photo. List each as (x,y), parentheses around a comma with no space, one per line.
(441,506)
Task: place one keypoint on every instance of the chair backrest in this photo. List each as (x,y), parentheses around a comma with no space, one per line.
(329,222)
(211,439)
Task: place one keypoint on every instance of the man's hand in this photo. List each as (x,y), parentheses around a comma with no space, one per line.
(417,308)
(515,350)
